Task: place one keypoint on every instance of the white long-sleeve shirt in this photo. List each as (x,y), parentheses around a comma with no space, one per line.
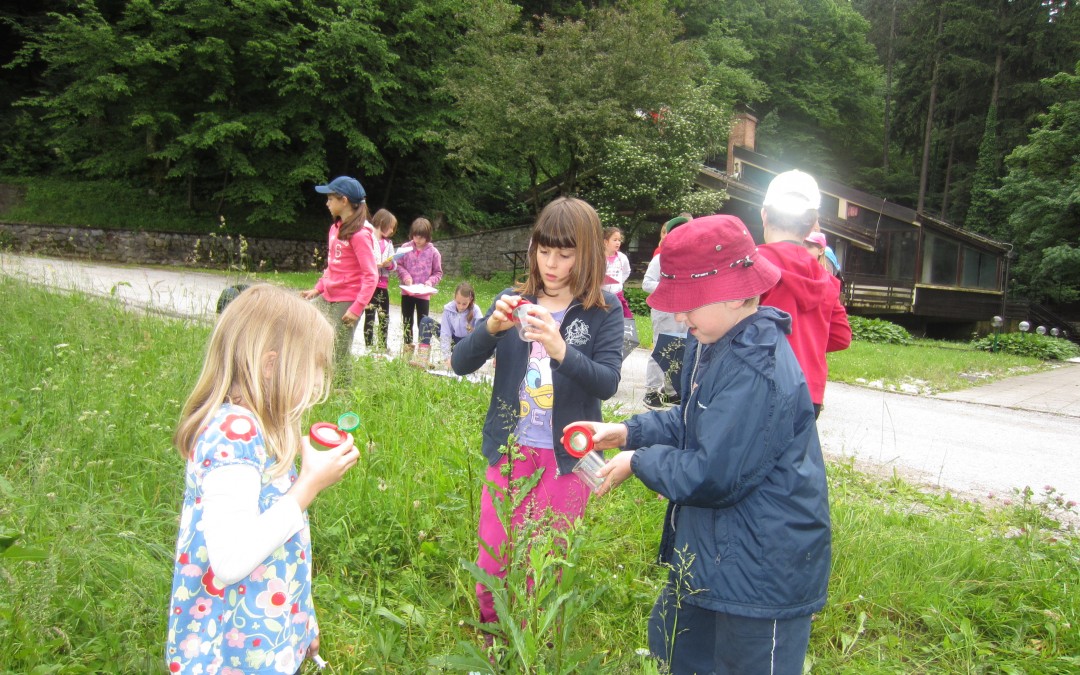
(618,271)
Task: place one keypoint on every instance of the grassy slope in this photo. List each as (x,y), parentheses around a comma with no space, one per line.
(90,493)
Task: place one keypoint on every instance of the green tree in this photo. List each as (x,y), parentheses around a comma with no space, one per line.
(1041,195)
(947,79)
(822,110)
(650,174)
(548,101)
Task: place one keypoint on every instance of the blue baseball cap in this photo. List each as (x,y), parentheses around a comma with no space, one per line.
(347,187)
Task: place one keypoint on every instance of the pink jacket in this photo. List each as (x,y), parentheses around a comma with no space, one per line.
(351,273)
(419,267)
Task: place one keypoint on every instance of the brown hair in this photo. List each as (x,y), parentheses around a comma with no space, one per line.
(421,227)
(261,320)
(570,223)
(355,222)
(465,289)
(383,220)
(610,232)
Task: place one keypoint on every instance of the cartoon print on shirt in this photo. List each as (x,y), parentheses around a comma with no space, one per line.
(537,391)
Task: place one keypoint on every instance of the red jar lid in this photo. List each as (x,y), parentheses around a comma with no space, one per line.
(578,440)
(326,435)
(513,310)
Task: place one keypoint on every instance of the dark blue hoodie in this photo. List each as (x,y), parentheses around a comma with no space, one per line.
(741,464)
(589,373)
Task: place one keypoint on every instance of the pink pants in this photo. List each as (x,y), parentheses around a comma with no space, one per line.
(564,496)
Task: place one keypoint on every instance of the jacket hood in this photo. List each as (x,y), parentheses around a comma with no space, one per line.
(762,328)
(806,280)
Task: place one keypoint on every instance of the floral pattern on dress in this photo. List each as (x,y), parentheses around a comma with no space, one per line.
(265,622)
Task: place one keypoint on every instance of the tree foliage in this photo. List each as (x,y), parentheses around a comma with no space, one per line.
(557,98)
(1042,194)
(243,103)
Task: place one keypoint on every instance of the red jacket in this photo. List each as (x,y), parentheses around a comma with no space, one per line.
(812,297)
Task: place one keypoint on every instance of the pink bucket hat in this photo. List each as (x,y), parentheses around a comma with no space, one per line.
(817,238)
(708,260)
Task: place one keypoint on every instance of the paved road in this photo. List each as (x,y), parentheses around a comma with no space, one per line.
(1023,431)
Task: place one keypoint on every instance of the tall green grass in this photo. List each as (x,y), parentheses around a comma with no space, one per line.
(90,493)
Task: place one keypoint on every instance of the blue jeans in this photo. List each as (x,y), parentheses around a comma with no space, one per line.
(707,642)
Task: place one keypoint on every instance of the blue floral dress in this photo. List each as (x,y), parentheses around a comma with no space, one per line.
(264,623)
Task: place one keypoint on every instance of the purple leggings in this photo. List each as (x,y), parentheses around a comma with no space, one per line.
(565,496)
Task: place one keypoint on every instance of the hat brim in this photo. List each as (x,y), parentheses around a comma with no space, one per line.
(679,296)
(323,189)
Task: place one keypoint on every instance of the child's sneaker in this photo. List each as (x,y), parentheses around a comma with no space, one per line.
(653,401)
(421,358)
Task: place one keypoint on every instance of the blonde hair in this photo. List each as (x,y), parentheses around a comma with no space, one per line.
(570,223)
(264,319)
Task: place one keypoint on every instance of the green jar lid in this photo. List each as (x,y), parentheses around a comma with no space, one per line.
(348,422)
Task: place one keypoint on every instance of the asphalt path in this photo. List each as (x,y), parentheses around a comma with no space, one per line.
(985,441)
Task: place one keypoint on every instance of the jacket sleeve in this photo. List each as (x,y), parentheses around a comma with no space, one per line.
(598,376)
(436,267)
(652,275)
(400,267)
(364,249)
(736,438)
(839,328)
(625,268)
(477,347)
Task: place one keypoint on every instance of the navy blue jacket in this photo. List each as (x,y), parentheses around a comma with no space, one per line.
(741,464)
(589,373)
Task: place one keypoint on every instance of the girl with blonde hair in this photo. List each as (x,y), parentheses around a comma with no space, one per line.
(241,590)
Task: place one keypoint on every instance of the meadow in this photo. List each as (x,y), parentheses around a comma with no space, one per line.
(922,581)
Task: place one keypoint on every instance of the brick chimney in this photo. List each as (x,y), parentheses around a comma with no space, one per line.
(742,135)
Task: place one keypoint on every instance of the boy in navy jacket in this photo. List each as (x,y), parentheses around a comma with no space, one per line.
(747,532)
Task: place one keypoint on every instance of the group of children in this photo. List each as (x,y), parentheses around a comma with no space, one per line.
(738,461)
(360,258)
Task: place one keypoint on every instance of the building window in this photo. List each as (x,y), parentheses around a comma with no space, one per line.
(980,270)
(941,259)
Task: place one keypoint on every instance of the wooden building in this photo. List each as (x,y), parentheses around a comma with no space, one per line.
(909,267)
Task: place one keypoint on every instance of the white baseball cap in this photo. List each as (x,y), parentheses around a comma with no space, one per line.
(793,192)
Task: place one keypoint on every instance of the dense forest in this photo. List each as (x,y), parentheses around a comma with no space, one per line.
(476,111)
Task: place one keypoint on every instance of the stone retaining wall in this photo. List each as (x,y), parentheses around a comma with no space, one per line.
(477,253)
(163,248)
(482,252)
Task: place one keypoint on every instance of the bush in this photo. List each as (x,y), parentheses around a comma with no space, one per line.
(636,299)
(1034,345)
(878,331)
